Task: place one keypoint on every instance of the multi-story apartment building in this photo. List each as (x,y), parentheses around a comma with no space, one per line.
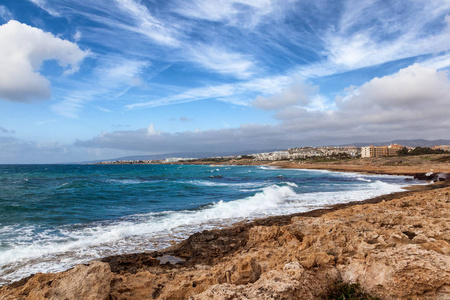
(372,151)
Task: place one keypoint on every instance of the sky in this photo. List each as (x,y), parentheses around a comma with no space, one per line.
(100,79)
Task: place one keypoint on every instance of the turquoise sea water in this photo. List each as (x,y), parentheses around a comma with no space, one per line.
(55,216)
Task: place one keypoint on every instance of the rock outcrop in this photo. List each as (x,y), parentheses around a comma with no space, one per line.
(91,282)
(430,176)
(398,248)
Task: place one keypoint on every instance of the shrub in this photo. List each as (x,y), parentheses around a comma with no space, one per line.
(348,291)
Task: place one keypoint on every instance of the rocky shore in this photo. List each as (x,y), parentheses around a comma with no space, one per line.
(395,246)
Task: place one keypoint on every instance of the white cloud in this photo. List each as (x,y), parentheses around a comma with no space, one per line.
(438,61)
(240,13)
(113,78)
(145,23)
(151,130)
(412,103)
(234,93)
(373,32)
(23,49)
(5,14)
(77,36)
(222,61)
(190,95)
(297,94)
(48,8)
(246,137)
(114,21)
(69,107)
(413,100)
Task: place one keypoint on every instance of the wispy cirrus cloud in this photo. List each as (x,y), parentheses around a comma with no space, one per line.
(47,7)
(240,13)
(143,22)
(222,61)
(5,14)
(114,78)
(112,17)
(374,32)
(438,62)
(151,35)
(223,92)
(362,34)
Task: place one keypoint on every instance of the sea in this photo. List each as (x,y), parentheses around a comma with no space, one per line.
(53,217)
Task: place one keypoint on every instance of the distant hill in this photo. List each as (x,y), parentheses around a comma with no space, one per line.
(407,143)
(184,155)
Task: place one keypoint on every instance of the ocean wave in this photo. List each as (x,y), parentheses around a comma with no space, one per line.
(32,249)
(363,179)
(308,201)
(268,168)
(131,181)
(225,184)
(68,247)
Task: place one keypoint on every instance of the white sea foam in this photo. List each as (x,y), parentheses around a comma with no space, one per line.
(58,249)
(225,184)
(75,246)
(363,179)
(132,181)
(268,168)
(310,201)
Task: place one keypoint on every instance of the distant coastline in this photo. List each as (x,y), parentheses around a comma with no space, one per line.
(405,165)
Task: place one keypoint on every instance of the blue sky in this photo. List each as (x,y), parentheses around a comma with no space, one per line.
(88,80)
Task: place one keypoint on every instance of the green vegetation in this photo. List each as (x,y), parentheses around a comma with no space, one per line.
(328,158)
(347,291)
(444,159)
(420,151)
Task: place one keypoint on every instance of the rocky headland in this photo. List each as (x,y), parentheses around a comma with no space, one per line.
(395,246)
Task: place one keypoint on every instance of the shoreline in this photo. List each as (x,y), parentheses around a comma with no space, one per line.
(211,247)
(395,165)
(249,220)
(130,262)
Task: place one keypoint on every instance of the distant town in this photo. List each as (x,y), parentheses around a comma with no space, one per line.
(306,153)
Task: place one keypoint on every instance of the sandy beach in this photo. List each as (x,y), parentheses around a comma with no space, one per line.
(395,246)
